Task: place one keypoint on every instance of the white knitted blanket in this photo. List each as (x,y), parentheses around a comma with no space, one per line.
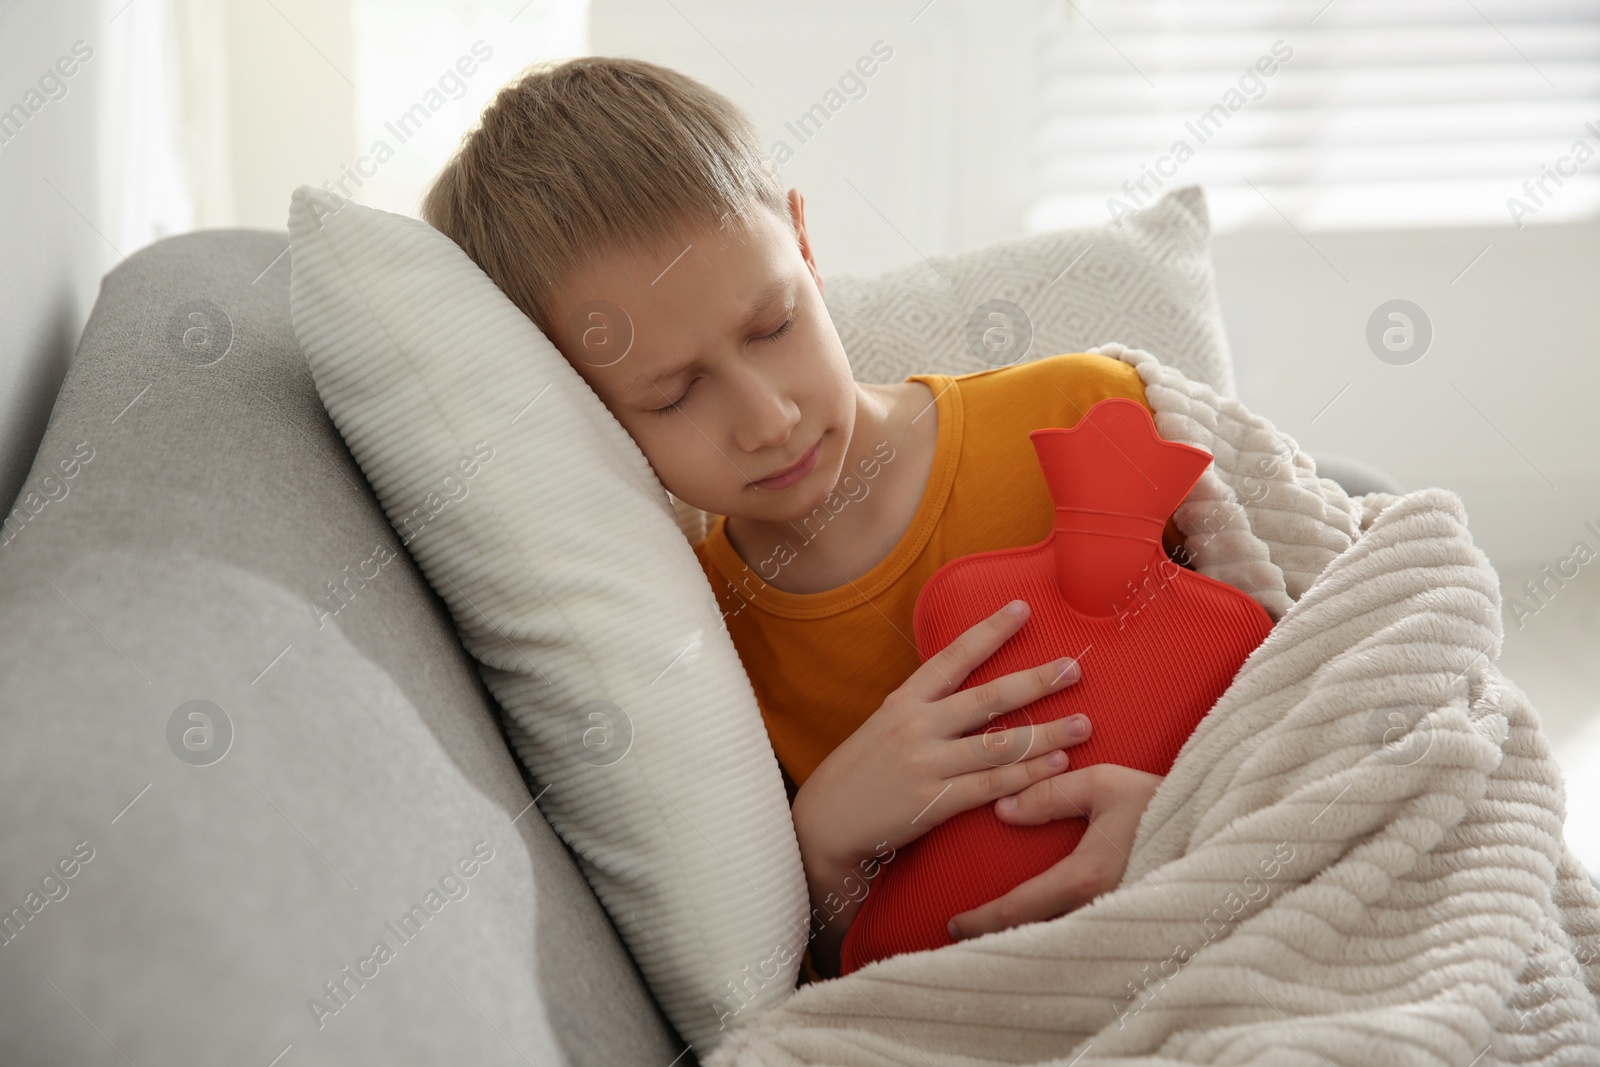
(1357,859)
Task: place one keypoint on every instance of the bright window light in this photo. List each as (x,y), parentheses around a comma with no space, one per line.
(425,69)
(1349,114)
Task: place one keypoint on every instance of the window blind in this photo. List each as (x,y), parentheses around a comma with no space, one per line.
(1354,114)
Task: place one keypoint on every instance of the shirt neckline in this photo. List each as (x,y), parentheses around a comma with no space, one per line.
(947,450)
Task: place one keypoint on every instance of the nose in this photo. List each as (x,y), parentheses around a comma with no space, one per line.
(763,414)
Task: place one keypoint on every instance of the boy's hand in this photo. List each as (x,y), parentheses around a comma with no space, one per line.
(908,768)
(1113,798)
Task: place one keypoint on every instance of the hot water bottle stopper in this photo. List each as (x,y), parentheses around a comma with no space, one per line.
(1157,644)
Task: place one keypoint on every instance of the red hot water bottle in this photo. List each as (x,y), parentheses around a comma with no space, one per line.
(1158,644)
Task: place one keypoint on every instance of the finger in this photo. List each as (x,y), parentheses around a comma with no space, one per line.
(1093,868)
(999,747)
(972,708)
(989,783)
(1064,796)
(1112,797)
(946,669)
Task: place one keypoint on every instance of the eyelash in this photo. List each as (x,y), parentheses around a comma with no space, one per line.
(678,403)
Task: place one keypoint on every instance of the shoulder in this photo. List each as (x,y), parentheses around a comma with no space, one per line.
(1075,379)
(1079,366)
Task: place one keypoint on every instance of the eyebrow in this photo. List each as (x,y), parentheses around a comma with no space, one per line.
(763,297)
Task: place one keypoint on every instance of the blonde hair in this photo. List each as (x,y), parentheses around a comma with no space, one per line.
(581,157)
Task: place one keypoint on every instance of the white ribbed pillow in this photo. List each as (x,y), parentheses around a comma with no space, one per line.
(540,523)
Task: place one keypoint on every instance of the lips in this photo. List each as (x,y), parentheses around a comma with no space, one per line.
(801,462)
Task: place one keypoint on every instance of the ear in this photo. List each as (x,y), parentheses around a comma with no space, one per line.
(797,211)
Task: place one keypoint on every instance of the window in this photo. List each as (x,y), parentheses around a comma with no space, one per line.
(1349,114)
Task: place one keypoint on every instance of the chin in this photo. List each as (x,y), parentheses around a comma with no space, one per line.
(826,483)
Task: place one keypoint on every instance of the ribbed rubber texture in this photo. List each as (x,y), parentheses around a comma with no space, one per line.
(1145,686)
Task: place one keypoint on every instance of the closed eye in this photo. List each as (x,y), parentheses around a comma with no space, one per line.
(781,330)
(678,403)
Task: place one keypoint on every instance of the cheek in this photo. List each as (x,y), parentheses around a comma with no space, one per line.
(665,446)
(651,442)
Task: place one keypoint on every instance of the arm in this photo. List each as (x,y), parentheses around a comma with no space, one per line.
(825,932)
(836,894)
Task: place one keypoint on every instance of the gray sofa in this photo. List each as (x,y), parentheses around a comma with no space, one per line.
(243,747)
(227,780)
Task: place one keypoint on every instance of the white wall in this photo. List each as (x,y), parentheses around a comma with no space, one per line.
(51,257)
(930,158)
(1500,409)
(271,103)
(119,154)
(311,87)
(452,56)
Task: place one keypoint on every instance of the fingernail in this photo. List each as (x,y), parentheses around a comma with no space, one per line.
(1077,726)
(1016,607)
(1056,759)
(1066,668)
(1007,804)
(950,928)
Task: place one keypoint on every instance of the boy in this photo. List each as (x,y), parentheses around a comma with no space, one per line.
(629,211)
